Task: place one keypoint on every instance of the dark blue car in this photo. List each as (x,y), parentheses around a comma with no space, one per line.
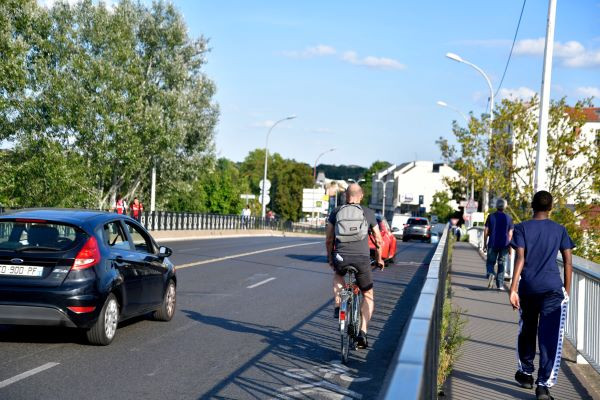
(81,269)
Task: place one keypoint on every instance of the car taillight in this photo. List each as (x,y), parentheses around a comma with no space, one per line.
(81,310)
(88,256)
(428,227)
(342,315)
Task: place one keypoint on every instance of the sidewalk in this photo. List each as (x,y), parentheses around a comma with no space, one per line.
(488,362)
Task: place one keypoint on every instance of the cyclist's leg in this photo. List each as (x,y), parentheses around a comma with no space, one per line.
(364,279)
(366,309)
(338,284)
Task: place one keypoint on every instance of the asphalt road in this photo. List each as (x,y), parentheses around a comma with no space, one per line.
(255,326)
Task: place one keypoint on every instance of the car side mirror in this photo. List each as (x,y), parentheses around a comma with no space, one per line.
(164,251)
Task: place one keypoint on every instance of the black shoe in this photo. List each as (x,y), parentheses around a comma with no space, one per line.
(361,341)
(543,393)
(524,380)
(336,313)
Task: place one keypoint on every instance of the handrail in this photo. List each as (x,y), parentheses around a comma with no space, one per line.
(413,370)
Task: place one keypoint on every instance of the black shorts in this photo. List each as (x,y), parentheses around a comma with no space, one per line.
(364,278)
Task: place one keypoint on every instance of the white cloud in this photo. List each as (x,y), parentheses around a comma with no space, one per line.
(572,53)
(372,62)
(309,52)
(588,91)
(484,42)
(522,93)
(350,57)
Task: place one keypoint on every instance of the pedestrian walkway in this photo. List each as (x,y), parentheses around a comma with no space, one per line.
(488,362)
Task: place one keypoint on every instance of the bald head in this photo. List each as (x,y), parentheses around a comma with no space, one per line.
(354,193)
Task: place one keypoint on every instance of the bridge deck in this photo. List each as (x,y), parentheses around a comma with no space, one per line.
(488,363)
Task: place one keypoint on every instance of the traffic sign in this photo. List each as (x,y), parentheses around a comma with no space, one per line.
(266,187)
(471,206)
(267,199)
(248,196)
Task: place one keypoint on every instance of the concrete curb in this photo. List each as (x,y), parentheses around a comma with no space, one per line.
(174,236)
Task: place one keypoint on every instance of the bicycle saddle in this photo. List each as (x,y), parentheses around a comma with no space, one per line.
(350,268)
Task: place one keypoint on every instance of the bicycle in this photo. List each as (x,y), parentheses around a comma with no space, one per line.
(350,317)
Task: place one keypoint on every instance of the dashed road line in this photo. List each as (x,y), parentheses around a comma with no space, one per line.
(27,374)
(260,283)
(213,260)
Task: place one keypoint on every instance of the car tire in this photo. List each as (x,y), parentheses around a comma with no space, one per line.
(104,329)
(167,308)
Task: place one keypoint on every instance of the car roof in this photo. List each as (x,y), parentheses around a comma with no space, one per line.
(68,215)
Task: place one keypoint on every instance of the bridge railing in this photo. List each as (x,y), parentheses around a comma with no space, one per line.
(413,370)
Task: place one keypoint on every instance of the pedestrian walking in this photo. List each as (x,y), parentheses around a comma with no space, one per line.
(496,239)
(540,295)
(136,209)
(120,206)
(246,214)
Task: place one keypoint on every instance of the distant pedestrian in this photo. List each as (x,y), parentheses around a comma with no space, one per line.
(541,297)
(496,238)
(246,214)
(120,206)
(136,209)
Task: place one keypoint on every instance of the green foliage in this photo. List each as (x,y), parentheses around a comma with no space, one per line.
(451,339)
(368,176)
(342,172)
(440,206)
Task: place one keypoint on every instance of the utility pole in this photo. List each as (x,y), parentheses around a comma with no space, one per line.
(541,181)
(153,189)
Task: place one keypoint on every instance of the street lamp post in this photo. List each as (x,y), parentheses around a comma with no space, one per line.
(264,206)
(444,104)
(317,160)
(456,57)
(383,202)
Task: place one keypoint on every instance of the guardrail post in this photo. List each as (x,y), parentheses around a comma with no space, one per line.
(581,310)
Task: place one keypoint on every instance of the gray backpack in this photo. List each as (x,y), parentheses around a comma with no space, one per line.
(351,224)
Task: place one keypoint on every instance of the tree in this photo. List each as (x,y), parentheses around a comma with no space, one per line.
(440,206)
(367,185)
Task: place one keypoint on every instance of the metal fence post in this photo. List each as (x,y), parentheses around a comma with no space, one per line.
(581,309)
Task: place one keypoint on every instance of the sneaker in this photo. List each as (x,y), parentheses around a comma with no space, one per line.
(336,313)
(502,288)
(526,381)
(543,393)
(361,341)
(491,279)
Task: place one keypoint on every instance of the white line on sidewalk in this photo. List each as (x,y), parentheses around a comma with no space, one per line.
(260,283)
(213,260)
(27,374)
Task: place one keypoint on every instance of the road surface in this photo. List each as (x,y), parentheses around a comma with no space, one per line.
(254,320)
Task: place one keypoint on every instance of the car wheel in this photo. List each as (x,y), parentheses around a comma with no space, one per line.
(104,329)
(167,308)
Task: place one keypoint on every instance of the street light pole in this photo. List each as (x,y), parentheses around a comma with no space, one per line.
(444,104)
(383,202)
(263,191)
(317,160)
(540,181)
(456,57)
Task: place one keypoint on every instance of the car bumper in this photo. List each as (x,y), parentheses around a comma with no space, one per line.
(34,315)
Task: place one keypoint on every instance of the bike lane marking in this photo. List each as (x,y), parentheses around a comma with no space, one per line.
(260,283)
(27,374)
(250,253)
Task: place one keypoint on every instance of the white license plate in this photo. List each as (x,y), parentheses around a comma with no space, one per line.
(21,270)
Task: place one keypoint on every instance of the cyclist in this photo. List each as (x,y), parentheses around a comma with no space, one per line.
(347,244)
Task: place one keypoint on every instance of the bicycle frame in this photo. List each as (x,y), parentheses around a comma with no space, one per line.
(349,319)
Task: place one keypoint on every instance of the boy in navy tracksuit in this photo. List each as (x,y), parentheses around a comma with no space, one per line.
(542,297)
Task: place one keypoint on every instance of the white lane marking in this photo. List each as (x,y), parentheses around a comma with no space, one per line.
(27,374)
(260,283)
(213,260)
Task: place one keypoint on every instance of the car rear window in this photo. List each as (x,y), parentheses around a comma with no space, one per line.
(419,221)
(35,235)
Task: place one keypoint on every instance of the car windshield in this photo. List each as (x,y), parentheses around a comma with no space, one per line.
(417,221)
(35,235)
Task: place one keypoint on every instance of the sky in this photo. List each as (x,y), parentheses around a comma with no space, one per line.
(364,77)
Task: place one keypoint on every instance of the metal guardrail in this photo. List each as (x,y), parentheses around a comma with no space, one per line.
(415,367)
(583,315)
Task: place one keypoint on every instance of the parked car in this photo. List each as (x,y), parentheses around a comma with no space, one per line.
(417,228)
(82,269)
(388,250)
(398,222)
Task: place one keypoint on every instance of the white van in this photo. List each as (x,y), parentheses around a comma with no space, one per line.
(398,222)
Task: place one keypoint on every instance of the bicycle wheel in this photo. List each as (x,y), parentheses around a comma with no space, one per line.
(345,335)
(356,320)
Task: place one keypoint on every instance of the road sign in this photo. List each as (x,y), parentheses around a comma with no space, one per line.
(267,199)
(471,207)
(266,187)
(248,196)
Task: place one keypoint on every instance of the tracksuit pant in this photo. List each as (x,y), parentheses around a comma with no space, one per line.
(543,315)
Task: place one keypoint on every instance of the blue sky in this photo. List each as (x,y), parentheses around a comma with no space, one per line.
(364,77)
